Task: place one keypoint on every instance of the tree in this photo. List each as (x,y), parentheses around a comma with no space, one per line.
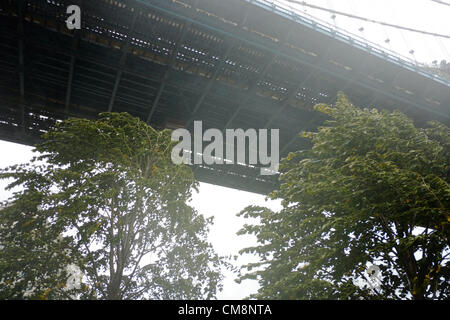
(104,202)
(372,190)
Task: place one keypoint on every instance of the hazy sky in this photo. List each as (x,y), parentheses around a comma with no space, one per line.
(424,15)
(224,203)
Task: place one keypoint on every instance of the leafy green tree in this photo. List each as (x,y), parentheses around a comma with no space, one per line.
(372,190)
(104,202)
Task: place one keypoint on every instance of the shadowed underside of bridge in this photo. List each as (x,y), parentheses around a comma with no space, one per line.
(232,64)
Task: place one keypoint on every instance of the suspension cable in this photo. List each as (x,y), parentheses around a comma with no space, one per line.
(303,3)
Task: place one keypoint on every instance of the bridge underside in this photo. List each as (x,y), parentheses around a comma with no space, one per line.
(231,64)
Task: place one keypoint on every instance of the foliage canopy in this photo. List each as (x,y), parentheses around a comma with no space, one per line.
(373,189)
(104,197)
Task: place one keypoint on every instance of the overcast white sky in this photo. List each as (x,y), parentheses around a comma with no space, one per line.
(224,203)
(424,15)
